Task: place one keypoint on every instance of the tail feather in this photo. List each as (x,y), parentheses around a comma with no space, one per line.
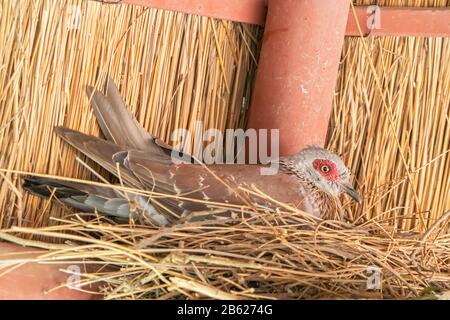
(119,125)
(89,198)
(44,188)
(83,197)
(99,150)
(117,122)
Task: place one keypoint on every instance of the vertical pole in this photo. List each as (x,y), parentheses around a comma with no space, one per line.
(298,70)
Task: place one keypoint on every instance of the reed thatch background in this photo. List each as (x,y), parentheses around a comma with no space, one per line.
(391,123)
(172,69)
(390,120)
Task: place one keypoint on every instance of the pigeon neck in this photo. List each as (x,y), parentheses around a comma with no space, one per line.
(316,201)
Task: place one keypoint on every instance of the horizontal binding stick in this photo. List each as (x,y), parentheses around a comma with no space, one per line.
(400,21)
(246,11)
(391,21)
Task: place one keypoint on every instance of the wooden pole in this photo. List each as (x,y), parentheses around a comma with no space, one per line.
(298,70)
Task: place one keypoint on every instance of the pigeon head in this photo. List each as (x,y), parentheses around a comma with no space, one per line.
(325,170)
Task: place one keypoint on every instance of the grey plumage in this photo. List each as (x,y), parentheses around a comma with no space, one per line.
(145,163)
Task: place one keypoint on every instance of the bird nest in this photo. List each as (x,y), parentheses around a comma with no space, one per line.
(257,253)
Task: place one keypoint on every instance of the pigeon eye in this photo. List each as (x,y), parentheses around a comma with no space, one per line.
(325,169)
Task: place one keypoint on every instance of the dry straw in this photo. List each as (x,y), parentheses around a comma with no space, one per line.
(258,254)
(173,69)
(391,123)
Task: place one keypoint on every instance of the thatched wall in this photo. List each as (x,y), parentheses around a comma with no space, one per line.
(391,123)
(173,69)
(390,120)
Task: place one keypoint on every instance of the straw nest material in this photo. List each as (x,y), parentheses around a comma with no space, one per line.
(257,253)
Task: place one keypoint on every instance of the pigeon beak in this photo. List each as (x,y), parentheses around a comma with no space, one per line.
(348,189)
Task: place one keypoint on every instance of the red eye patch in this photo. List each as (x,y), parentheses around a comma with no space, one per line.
(326,168)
